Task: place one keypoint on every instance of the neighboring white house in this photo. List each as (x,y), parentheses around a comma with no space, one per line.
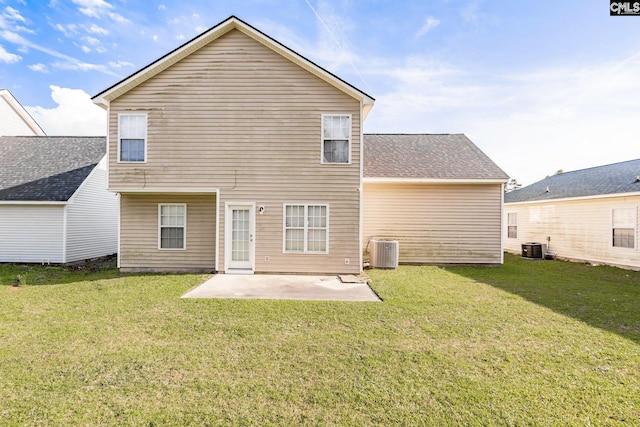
(586,215)
(14,119)
(54,206)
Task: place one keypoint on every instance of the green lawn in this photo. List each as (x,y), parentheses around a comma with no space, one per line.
(529,343)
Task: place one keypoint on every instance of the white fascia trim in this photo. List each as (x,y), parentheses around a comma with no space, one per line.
(164,190)
(573,199)
(432,181)
(31,202)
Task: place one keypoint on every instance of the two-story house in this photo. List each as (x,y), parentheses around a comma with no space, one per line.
(234,153)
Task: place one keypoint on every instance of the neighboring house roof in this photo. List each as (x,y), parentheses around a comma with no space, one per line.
(14,119)
(427,157)
(46,168)
(231,23)
(615,178)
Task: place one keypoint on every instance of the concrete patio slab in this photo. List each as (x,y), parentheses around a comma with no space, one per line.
(269,286)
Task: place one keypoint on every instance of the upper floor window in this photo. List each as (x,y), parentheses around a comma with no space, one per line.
(512,225)
(624,221)
(132,137)
(336,138)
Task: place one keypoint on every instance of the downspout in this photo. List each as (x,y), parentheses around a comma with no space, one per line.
(360,189)
(502,225)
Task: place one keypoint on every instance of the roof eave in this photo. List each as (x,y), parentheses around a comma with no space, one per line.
(383,180)
(576,198)
(33,202)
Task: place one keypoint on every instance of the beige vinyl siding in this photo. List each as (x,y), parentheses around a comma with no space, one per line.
(580,230)
(32,233)
(436,223)
(92,219)
(139,234)
(236,116)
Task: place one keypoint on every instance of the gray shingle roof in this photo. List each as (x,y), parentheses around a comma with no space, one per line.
(426,156)
(616,178)
(46,168)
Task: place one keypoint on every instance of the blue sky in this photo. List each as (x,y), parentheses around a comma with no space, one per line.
(539,86)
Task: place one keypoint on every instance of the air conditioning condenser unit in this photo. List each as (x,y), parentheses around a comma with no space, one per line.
(384,253)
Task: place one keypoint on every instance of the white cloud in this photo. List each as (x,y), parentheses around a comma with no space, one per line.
(8,57)
(85,49)
(67,63)
(92,40)
(13,14)
(92,8)
(429,23)
(162,7)
(11,18)
(118,18)
(39,68)
(81,66)
(96,29)
(67,31)
(99,8)
(120,64)
(75,114)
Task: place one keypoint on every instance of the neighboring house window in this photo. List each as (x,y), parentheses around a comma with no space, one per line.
(306,228)
(512,225)
(624,221)
(132,137)
(172,225)
(336,138)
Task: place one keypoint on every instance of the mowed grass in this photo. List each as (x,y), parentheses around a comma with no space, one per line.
(529,343)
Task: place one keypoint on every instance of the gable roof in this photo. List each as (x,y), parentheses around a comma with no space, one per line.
(12,110)
(231,23)
(616,178)
(428,158)
(46,168)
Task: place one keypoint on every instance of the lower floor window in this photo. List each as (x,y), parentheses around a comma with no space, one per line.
(624,222)
(512,226)
(624,237)
(306,228)
(172,224)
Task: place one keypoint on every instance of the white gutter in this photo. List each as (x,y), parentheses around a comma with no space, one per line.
(433,181)
(571,199)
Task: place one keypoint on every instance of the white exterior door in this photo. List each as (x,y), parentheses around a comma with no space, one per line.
(240,238)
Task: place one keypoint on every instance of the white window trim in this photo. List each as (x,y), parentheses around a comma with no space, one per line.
(306,229)
(146,137)
(184,236)
(635,229)
(322,138)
